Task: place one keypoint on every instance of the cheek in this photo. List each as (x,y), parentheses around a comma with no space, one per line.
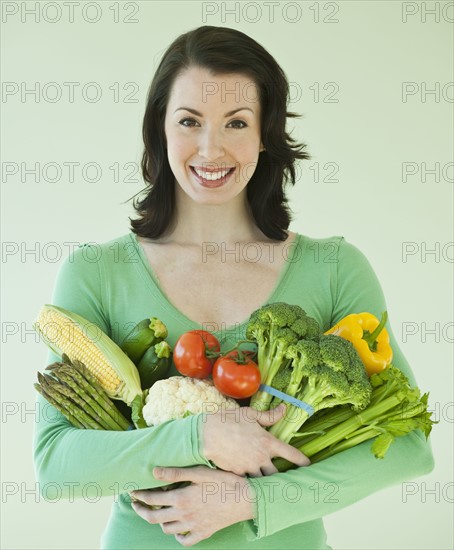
(247,147)
(250,150)
(248,158)
(177,148)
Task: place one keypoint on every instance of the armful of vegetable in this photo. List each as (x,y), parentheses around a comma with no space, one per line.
(332,403)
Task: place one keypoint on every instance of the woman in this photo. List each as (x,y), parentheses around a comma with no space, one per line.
(210,246)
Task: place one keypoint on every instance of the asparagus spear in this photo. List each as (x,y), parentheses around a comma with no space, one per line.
(116,414)
(83,401)
(93,408)
(92,389)
(69,405)
(73,419)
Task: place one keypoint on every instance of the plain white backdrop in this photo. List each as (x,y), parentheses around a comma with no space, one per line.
(374,83)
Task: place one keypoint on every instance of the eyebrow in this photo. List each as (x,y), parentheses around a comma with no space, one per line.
(230,113)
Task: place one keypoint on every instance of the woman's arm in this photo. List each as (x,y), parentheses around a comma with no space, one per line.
(113,462)
(307,493)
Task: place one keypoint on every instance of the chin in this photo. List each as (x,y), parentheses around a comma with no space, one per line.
(212,200)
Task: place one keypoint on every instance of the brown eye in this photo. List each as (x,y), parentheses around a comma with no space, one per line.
(241,122)
(191,123)
(185,120)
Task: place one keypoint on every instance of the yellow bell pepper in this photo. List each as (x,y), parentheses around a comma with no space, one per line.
(369,337)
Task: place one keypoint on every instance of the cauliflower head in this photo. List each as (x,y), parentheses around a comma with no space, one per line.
(181,396)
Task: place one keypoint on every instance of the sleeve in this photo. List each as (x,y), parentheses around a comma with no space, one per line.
(308,493)
(69,458)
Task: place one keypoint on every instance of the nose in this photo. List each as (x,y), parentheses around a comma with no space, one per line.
(211,145)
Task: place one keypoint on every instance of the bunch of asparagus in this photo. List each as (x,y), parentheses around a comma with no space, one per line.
(75,392)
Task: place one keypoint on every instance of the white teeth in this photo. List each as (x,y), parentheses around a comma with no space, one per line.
(212,175)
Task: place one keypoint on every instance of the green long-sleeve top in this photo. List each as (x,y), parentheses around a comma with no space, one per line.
(113,285)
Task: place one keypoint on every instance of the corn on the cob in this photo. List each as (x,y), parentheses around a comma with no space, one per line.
(66,332)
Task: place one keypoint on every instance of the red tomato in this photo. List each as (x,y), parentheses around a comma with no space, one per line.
(210,339)
(195,352)
(235,379)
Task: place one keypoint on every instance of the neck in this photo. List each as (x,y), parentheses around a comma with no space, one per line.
(227,223)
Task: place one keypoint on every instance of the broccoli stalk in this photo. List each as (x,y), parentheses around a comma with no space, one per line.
(395,409)
(274,327)
(325,374)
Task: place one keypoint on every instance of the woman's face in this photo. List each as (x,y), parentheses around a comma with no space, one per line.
(205,138)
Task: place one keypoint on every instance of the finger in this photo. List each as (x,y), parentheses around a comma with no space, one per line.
(294,455)
(163,515)
(268,418)
(251,413)
(269,469)
(153,497)
(195,473)
(141,510)
(173,527)
(256,473)
(149,515)
(189,540)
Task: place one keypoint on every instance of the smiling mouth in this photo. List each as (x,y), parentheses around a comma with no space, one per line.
(212,179)
(212,175)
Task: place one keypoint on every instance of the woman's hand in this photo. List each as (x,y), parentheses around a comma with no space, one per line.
(236,442)
(214,500)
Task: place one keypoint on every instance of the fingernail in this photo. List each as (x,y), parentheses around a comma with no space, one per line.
(157,472)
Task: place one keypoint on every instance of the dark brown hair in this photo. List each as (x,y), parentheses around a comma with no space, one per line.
(220,50)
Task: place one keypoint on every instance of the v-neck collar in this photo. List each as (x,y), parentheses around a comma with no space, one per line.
(150,276)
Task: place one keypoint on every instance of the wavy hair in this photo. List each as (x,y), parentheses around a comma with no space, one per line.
(220,50)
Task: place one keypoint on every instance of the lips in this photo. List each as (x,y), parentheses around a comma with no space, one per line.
(212,182)
(207,169)
(210,174)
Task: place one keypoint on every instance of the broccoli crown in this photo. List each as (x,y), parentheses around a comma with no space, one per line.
(328,372)
(278,315)
(335,351)
(274,327)
(265,325)
(282,379)
(285,337)
(344,365)
(324,372)
(306,327)
(306,358)
(341,356)
(305,354)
